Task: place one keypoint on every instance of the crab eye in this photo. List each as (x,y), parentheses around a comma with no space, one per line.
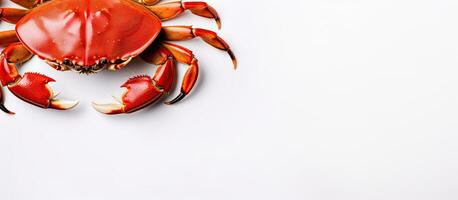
(104,61)
(68,62)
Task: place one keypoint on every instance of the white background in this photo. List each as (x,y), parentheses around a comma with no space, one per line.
(334,99)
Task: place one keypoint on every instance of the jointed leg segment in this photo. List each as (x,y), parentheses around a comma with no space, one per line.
(185,56)
(148,2)
(28,3)
(180,33)
(170,10)
(12,15)
(157,53)
(8,37)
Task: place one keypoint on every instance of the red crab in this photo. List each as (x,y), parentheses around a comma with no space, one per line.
(88,36)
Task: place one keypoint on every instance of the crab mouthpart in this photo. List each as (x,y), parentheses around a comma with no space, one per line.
(86,70)
(98,67)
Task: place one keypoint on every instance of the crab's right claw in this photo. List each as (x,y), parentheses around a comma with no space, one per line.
(142,91)
(33,88)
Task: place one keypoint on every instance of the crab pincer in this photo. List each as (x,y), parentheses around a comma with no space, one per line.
(142,91)
(31,87)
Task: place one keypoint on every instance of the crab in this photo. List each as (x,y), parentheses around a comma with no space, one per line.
(88,36)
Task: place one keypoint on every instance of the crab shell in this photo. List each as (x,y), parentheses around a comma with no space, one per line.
(87,31)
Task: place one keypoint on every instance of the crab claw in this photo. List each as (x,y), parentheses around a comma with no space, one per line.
(32,88)
(141,91)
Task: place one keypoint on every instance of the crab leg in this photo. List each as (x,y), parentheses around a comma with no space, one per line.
(142,91)
(157,53)
(8,37)
(2,106)
(28,3)
(12,15)
(148,2)
(180,33)
(185,56)
(170,10)
(31,87)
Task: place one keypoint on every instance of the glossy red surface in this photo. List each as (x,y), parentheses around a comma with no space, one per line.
(13,54)
(85,31)
(8,71)
(172,9)
(140,93)
(180,33)
(12,15)
(37,83)
(185,56)
(165,76)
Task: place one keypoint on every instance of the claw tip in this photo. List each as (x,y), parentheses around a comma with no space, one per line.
(4,109)
(177,99)
(218,23)
(108,108)
(233,58)
(63,104)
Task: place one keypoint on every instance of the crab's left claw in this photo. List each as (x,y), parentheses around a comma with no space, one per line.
(141,91)
(30,87)
(33,88)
